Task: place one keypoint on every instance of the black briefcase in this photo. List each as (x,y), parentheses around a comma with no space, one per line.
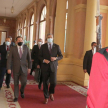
(37,75)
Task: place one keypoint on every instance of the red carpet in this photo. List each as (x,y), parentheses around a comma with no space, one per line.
(65,97)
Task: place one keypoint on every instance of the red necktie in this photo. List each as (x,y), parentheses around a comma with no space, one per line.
(7,48)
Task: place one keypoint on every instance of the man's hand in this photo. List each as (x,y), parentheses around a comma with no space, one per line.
(9,71)
(53,58)
(29,70)
(46,61)
(38,66)
(85,70)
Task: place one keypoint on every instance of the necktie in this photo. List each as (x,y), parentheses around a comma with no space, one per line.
(20,52)
(7,48)
(50,48)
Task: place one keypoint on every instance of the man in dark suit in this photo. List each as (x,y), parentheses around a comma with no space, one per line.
(87,61)
(35,58)
(4,52)
(12,43)
(20,59)
(49,55)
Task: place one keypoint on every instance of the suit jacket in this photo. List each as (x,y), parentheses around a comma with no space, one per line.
(34,55)
(87,61)
(3,52)
(45,54)
(24,62)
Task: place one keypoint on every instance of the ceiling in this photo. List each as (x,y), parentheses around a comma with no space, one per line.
(19,5)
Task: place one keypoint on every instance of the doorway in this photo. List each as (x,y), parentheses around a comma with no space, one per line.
(2,37)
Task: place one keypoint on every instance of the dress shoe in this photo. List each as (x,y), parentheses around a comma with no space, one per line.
(8,86)
(39,86)
(22,94)
(15,99)
(46,101)
(52,97)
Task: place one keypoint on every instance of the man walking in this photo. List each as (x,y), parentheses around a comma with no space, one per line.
(4,52)
(20,59)
(49,55)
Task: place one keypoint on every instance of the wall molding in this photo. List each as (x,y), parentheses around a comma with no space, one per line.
(80,7)
(103,9)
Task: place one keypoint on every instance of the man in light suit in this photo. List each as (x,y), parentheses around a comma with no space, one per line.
(49,55)
(20,59)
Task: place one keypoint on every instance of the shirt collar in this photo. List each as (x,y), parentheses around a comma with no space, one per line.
(50,43)
(19,46)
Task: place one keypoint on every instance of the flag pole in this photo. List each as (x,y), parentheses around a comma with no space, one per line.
(98,26)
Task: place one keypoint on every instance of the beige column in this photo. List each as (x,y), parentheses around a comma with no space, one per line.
(47,18)
(106,41)
(59,33)
(90,27)
(34,29)
(28,25)
(70,29)
(27,16)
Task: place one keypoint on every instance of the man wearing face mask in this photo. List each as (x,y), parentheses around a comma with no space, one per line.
(49,55)
(87,61)
(35,58)
(4,51)
(20,59)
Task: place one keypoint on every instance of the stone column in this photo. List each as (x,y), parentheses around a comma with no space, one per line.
(106,40)
(34,29)
(70,28)
(47,18)
(90,27)
(59,33)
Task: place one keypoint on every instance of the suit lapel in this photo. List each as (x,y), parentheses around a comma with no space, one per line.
(91,53)
(53,47)
(5,48)
(47,48)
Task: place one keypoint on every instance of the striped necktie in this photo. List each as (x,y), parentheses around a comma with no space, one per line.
(20,52)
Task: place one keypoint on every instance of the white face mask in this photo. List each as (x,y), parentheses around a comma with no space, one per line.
(7,43)
(50,40)
(39,43)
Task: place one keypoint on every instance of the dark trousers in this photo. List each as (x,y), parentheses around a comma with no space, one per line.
(2,73)
(23,78)
(49,77)
(40,81)
(33,67)
(8,77)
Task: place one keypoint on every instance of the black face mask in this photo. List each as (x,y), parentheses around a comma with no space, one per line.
(20,43)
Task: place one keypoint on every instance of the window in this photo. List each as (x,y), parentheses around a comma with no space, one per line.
(31,31)
(19,27)
(42,24)
(66,24)
(25,27)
